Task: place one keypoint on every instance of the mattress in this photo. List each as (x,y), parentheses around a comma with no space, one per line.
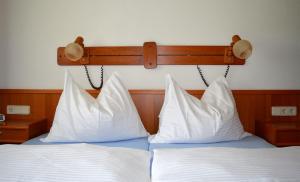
(247,142)
(215,164)
(139,143)
(73,163)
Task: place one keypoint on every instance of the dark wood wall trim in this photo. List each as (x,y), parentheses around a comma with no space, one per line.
(252,105)
(158,91)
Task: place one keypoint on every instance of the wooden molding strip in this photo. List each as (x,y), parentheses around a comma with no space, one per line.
(153,92)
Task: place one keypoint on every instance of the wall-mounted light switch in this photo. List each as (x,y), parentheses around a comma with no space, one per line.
(284,111)
(18,109)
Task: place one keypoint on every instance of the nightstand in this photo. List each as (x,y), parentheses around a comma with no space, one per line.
(282,134)
(20,131)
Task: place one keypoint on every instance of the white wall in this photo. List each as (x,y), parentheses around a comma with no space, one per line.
(33,29)
(2,44)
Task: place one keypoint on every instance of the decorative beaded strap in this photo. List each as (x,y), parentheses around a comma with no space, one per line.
(203,78)
(90,80)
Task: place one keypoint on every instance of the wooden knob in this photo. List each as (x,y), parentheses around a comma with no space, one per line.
(79,40)
(236,38)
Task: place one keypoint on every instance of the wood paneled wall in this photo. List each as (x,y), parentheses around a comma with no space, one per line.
(253,105)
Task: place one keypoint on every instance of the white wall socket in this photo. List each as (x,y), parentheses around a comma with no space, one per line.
(284,111)
(18,109)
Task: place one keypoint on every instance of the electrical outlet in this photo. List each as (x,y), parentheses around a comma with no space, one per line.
(18,109)
(284,111)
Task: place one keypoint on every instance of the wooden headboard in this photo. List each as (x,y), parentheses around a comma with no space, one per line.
(252,105)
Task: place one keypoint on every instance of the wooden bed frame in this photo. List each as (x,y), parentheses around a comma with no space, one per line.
(252,105)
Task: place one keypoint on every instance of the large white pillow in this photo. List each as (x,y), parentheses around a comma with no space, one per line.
(186,119)
(79,117)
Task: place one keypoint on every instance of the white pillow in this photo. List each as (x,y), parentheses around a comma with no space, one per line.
(79,117)
(186,119)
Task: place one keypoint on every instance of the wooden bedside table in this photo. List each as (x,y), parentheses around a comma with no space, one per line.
(282,134)
(20,131)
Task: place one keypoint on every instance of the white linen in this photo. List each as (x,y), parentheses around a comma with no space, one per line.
(187,119)
(81,118)
(226,164)
(73,162)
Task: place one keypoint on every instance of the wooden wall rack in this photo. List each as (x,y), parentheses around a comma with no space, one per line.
(150,55)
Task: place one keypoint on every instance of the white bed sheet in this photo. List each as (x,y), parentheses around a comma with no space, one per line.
(226,164)
(137,143)
(73,162)
(247,142)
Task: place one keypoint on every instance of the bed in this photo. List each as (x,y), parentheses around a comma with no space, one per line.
(240,160)
(226,164)
(248,159)
(124,151)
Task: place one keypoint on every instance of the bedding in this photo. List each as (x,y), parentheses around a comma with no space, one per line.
(187,119)
(79,117)
(247,142)
(226,164)
(138,143)
(208,143)
(73,162)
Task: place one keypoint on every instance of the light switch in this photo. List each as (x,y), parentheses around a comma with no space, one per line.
(18,109)
(284,111)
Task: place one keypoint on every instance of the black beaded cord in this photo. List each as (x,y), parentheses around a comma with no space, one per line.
(90,80)
(203,78)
